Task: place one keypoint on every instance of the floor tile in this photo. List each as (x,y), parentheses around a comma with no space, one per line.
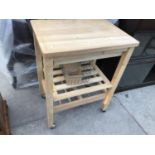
(86,120)
(141,104)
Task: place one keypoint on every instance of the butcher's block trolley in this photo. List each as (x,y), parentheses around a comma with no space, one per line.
(59,42)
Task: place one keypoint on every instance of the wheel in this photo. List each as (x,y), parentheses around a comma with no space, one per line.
(43,97)
(14,84)
(103,110)
(53,126)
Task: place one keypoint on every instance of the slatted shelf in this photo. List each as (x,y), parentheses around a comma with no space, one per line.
(80,101)
(65,86)
(77,92)
(91,88)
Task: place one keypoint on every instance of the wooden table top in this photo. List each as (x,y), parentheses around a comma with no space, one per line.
(61,37)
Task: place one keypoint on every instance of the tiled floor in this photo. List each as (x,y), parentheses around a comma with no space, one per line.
(130,112)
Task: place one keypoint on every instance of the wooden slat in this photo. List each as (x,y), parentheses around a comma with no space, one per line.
(81,91)
(79,102)
(83,68)
(57,72)
(68,99)
(86,74)
(66,86)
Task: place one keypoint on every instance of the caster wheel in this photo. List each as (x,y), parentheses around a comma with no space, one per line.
(53,126)
(14,84)
(103,110)
(43,97)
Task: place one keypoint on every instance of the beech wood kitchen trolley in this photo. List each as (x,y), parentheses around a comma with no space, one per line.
(59,42)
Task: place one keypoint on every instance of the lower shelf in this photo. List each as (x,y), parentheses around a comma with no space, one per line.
(78,102)
(92,88)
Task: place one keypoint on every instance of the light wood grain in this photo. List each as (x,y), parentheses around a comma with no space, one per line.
(96,81)
(81,92)
(39,64)
(85,56)
(117,76)
(69,41)
(58,37)
(48,71)
(79,102)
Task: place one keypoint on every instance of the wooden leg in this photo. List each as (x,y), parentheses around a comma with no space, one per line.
(39,65)
(48,72)
(117,76)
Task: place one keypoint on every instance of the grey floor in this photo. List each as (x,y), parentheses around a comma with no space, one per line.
(130,112)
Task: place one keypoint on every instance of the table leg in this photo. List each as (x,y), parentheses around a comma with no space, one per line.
(39,65)
(125,57)
(48,73)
